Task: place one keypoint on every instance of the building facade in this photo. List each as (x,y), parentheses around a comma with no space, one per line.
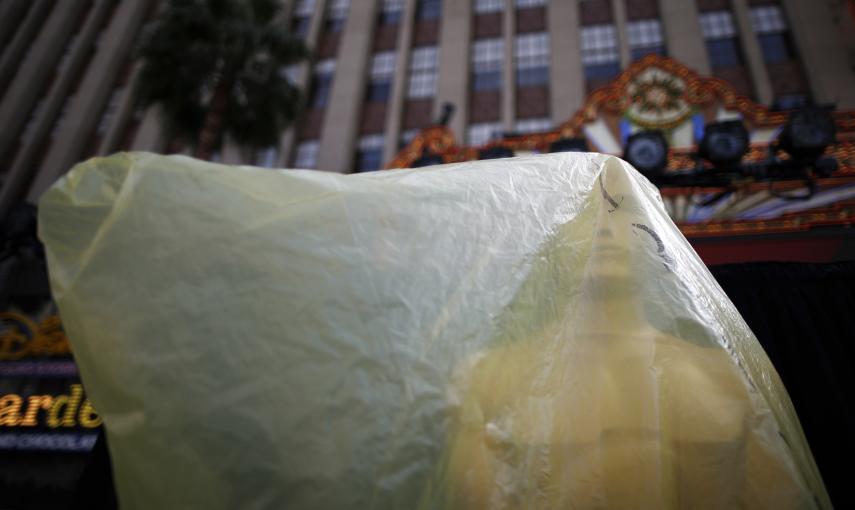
(382,70)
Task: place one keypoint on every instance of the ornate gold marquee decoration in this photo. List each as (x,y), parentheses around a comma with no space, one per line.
(21,337)
(655,92)
(656,100)
(661,93)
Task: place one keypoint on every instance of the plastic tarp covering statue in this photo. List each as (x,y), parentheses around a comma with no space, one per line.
(524,333)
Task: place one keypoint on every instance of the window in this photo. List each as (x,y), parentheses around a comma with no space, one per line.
(724,52)
(422,72)
(600,56)
(324,71)
(307,155)
(291,74)
(771,29)
(532,59)
(720,34)
(380,77)
(487,58)
(790,102)
(717,25)
(303,11)
(266,157)
(768,19)
(428,9)
(482,6)
(530,3)
(391,11)
(479,134)
(369,154)
(526,126)
(336,15)
(645,37)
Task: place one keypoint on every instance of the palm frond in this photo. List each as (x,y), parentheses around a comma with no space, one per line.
(196,45)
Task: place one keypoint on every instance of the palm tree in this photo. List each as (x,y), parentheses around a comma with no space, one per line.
(216,69)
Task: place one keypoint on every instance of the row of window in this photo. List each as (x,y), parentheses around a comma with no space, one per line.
(369,152)
(600,53)
(391,12)
(484,6)
(721,36)
(483,132)
(600,58)
(599,49)
(771,28)
(531,54)
(487,59)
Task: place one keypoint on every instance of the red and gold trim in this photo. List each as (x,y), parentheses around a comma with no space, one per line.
(700,93)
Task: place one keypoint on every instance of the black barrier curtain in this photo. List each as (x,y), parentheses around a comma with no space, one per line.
(804,316)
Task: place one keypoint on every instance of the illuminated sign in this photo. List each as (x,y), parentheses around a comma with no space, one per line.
(68,442)
(21,336)
(55,411)
(42,403)
(48,422)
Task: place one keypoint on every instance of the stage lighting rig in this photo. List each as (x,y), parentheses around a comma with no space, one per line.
(806,136)
(427,159)
(724,144)
(495,152)
(569,145)
(647,151)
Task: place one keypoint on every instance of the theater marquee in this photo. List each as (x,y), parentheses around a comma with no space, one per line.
(43,406)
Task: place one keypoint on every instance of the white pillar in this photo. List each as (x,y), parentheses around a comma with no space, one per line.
(567,84)
(683,38)
(821,34)
(341,121)
(619,10)
(395,108)
(509,83)
(753,53)
(453,76)
(289,138)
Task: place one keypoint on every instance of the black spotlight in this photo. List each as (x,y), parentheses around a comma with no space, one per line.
(647,151)
(495,153)
(427,160)
(569,145)
(807,134)
(724,143)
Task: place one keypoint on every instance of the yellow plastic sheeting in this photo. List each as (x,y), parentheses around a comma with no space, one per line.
(524,333)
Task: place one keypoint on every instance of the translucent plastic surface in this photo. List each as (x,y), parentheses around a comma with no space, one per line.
(519,333)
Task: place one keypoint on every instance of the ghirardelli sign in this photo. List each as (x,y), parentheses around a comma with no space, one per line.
(43,406)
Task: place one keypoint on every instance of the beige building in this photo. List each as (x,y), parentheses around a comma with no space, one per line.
(383,69)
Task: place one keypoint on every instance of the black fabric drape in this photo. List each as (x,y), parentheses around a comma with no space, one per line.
(804,316)
(95,490)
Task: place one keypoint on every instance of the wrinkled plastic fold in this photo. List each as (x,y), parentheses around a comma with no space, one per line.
(526,333)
